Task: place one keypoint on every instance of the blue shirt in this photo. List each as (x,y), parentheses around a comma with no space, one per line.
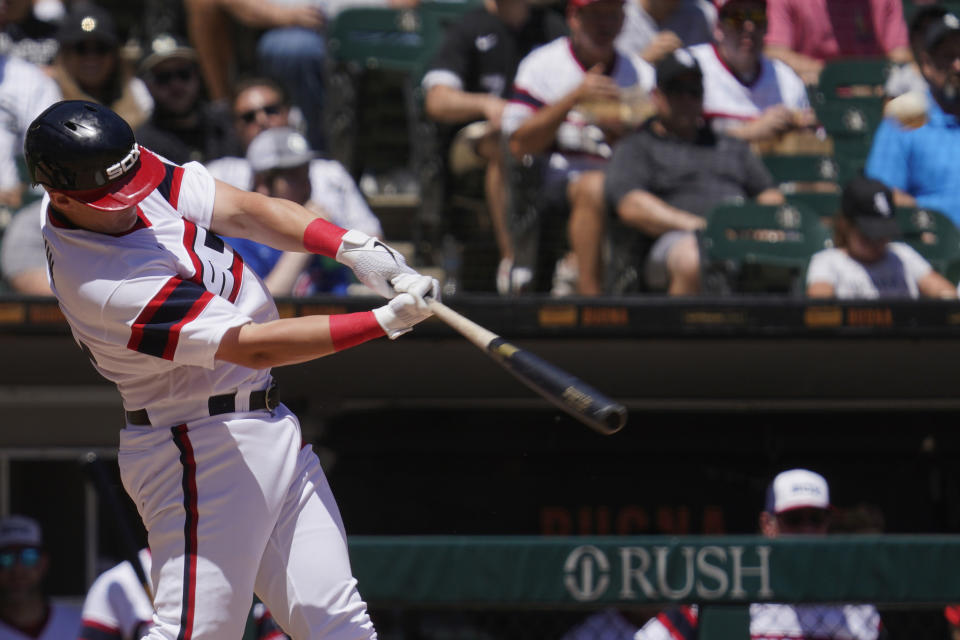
(259,257)
(923,162)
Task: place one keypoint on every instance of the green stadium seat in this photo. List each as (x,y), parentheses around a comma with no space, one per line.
(753,248)
(934,236)
(824,204)
(802,172)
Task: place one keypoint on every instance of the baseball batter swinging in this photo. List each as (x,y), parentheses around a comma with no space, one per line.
(232,501)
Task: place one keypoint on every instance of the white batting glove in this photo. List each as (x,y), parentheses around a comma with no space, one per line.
(374,263)
(417,285)
(398,316)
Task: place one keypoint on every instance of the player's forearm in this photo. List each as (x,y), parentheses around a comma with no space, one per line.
(275,222)
(276,343)
(446,104)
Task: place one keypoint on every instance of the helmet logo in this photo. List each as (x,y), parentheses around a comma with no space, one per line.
(126,163)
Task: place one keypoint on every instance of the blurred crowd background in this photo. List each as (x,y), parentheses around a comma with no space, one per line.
(512,147)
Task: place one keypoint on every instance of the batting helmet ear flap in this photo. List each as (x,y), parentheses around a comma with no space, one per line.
(90,153)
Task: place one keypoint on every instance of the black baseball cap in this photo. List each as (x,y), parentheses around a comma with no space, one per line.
(868,204)
(678,69)
(88,22)
(939,29)
(166,46)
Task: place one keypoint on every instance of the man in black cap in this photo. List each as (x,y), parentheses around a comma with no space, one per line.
(665,178)
(89,66)
(865,262)
(183,125)
(922,165)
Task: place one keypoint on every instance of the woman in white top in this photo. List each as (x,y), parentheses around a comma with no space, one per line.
(866,262)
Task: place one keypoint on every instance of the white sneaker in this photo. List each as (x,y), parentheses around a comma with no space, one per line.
(512,279)
(565,276)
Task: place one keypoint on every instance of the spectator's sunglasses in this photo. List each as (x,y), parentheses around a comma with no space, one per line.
(91,46)
(737,17)
(27,557)
(183,74)
(270,109)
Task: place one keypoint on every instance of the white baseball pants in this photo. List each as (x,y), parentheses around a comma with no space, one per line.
(235,504)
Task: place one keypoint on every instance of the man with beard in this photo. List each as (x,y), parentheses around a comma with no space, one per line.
(184,127)
(922,164)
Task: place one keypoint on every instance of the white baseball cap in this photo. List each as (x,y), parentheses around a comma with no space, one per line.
(278,148)
(798,489)
(20,531)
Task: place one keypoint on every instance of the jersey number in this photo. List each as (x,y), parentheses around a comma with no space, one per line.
(218,267)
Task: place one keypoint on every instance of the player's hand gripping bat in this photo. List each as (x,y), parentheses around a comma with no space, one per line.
(581,401)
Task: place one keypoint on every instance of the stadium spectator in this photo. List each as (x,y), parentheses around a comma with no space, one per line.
(798,503)
(25,91)
(23,262)
(118,607)
(654,28)
(183,125)
(746,94)
(28,29)
(666,177)
(280,159)
(25,611)
(291,46)
(908,76)
(808,33)
(865,262)
(547,115)
(922,165)
(261,103)
(89,66)
(468,81)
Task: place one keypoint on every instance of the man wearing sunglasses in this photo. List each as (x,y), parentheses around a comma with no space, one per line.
(746,94)
(663,180)
(25,612)
(184,126)
(797,504)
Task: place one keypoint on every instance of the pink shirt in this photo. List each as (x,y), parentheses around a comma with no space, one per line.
(827,29)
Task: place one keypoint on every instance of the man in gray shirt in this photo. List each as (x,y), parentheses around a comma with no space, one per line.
(664,179)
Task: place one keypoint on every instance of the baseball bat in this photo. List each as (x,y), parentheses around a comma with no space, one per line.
(568,392)
(130,550)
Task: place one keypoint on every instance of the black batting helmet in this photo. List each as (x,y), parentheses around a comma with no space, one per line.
(86,151)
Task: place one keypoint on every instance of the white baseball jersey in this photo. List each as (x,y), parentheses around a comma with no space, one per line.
(63,622)
(330,186)
(550,72)
(116,606)
(728,102)
(895,276)
(144,303)
(25,91)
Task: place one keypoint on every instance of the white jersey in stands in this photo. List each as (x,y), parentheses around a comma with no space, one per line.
(25,91)
(550,72)
(116,606)
(728,102)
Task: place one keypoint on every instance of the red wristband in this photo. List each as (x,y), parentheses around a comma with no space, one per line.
(322,237)
(350,329)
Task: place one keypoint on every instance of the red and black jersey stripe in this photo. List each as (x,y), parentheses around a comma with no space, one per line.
(189,483)
(156,330)
(91,630)
(521,96)
(682,623)
(169,187)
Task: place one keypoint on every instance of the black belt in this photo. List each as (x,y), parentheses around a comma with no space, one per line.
(267,398)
